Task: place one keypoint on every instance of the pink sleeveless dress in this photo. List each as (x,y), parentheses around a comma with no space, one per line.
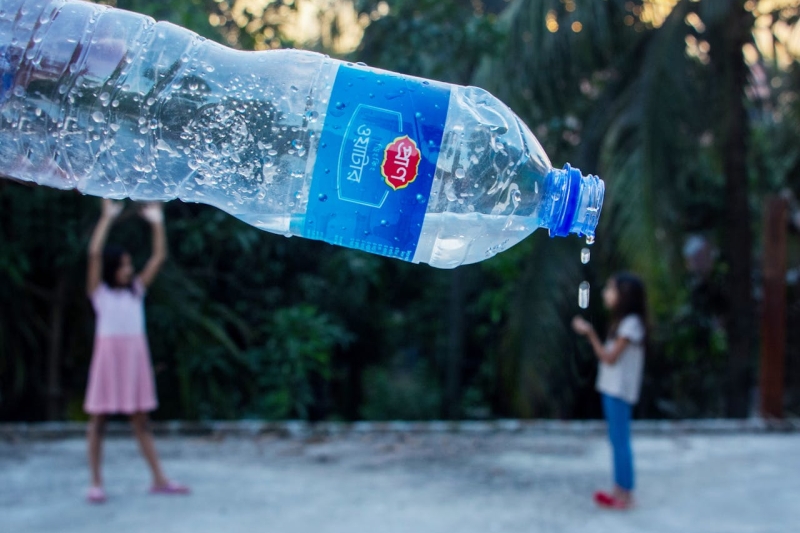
(121,374)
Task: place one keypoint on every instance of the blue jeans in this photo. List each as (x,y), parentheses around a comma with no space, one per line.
(618,416)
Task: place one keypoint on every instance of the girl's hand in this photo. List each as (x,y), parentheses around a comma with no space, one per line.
(581,326)
(111,208)
(153,213)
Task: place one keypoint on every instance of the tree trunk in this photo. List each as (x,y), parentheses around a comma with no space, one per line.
(738,245)
(455,345)
(55,343)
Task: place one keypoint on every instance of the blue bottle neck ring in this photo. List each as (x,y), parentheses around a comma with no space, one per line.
(577,202)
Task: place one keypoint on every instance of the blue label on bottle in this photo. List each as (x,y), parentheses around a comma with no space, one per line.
(376,161)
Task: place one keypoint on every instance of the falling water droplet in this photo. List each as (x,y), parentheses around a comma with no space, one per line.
(590,239)
(586,254)
(583,295)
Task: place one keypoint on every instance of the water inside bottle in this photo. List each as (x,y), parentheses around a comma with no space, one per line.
(583,295)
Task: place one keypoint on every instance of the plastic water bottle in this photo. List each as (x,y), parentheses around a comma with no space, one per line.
(296,143)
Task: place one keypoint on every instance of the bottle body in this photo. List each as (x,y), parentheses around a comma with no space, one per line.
(117,105)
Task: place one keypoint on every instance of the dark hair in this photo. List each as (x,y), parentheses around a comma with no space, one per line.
(632,299)
(112,259)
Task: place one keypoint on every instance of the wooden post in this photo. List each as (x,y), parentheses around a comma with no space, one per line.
(773,313)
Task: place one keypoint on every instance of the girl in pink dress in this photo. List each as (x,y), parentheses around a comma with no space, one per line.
(121,374)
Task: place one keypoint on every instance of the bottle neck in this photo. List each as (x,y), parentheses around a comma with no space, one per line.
(576,202)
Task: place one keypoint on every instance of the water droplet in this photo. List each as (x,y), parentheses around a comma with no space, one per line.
(384,223)
(536,187)
(312,116)
(272,152)
(583,295)
(340,105)
(19,91)
(209,68)
(322,197)
(297,144)
(420,199)
(590,239)
(294,89)
(460,173)
(97,116)
(586,254)
(516,197)
(151,101)
(104,97)
(418,115)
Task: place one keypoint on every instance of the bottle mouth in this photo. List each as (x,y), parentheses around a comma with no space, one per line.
(578,200)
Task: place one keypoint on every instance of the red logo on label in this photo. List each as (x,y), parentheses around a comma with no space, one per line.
(400,162)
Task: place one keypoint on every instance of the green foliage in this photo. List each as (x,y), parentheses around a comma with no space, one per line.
(397,393)
(297,354)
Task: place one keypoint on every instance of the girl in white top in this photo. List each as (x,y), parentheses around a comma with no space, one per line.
(619,377)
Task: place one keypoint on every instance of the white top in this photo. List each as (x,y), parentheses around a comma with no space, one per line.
(119,311)
(623,379)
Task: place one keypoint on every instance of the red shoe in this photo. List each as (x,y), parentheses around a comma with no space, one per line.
(603,499)
(607,501)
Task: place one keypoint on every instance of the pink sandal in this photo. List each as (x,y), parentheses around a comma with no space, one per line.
(96,495)
(170,488)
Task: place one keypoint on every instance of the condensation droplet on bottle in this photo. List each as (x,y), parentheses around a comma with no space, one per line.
(322,197)
(97,116)
(535,187)
(294,89)
(272,152)
(516,197)
(460,173)
(586,254)
(583,295)
(420,199)
(297,144)
(312,116)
